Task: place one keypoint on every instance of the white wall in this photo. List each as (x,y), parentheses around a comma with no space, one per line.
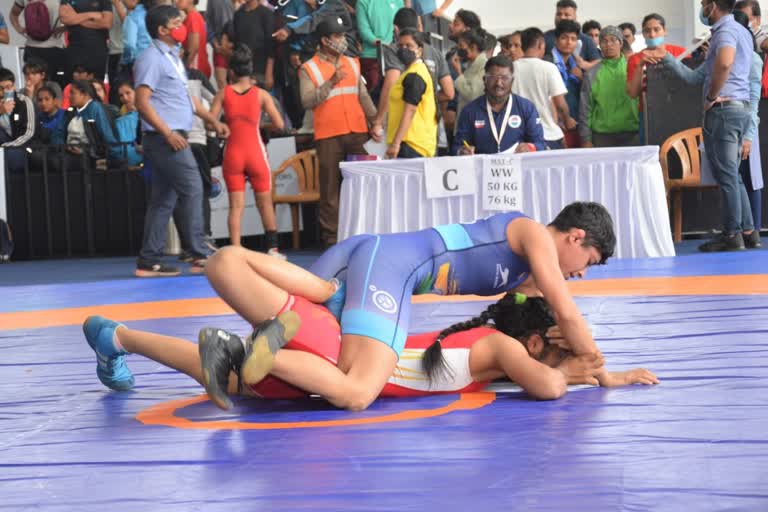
(504,16)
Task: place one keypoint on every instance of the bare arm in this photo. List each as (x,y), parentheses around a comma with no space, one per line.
(192,47)
(217,104)
(269,74)
(69,17)
(563,113)
(120,9)
(268,105)
(103,23)
(4,37)
(390,78)
(539,249)
(447,91)
(366,102)
(721,70)
(15,12)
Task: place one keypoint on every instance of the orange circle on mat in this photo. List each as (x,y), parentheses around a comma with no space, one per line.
(164,414)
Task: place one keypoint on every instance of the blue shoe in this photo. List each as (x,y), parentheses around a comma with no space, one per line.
(336,303)
(110,362)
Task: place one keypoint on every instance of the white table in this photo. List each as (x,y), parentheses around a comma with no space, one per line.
(389,196)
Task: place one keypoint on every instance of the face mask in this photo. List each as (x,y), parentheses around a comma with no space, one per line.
(406,56)
(462,53)
(704,19)
(654,42)
(339,47)
(179,34)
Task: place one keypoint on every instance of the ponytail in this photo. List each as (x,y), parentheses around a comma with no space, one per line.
(511,307)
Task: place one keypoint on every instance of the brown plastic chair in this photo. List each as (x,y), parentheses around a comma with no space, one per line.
(685,145)
(307,169)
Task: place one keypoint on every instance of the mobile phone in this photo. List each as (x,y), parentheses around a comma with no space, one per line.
(8,95)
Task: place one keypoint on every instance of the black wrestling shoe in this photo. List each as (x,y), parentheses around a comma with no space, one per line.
(752,240)
(221,352)
(263,344)
(723,243)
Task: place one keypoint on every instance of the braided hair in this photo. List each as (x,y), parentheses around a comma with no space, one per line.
(515,315)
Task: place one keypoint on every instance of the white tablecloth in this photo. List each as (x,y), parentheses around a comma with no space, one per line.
(389,196)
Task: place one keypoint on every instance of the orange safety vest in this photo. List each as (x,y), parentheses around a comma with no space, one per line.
(341,112)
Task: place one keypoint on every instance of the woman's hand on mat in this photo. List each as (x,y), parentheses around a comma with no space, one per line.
(582,369)
(636,376)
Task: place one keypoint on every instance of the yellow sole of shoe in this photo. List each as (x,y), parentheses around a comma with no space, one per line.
(259,361)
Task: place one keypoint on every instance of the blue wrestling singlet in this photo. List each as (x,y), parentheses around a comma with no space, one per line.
(383,271)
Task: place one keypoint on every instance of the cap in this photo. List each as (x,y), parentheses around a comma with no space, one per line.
(330,26)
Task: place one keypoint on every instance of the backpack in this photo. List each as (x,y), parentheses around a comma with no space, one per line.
(37,20)
(126,128)
(6,242)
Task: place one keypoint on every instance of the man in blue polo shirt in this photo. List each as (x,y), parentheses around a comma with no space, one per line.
(727,115)
(498,120)
(167,111)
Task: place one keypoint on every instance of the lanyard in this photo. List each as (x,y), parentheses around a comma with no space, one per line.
(179,67)
(504,123)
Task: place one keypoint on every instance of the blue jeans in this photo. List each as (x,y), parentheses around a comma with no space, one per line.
(175,176)
(723,135)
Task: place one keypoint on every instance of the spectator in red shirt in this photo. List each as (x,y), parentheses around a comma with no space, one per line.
(654,32)
(195,46)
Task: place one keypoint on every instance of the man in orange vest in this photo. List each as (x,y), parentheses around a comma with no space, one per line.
(331,86)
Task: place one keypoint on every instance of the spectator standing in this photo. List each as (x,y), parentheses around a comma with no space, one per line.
(412,125)
(254,25)
(374,24)
(471,52)
(196,43)
(567,37)
(135,36)
(88,24)
(585,47)
(430,13)
(43,41)
(540,82)
(629,32)
(608,116)
(332,87)
(655,33)
(167,110)
(17,121)
(512,46)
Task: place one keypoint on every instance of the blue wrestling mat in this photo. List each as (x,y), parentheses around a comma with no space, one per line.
(696,442)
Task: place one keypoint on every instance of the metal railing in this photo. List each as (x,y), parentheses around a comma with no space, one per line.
(63,204)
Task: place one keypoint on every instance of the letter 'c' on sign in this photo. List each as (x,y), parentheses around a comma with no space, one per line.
(445,180)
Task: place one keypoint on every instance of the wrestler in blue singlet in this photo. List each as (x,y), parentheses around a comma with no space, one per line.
(383,271)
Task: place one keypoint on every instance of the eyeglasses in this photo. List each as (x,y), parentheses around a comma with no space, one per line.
(505,79)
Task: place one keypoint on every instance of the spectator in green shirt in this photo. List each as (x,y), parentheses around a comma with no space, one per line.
(607,115)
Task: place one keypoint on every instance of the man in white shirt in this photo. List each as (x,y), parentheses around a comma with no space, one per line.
(540,82)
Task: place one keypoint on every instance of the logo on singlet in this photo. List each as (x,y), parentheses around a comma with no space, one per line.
(383,300)
(502,276)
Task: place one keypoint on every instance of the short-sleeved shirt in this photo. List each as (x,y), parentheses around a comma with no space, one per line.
(196,25)
(635,60)
(727,33)
(539,81)
(254,29)
(160,68)
(82,37)
(53,14)
(424,7)
(436,63)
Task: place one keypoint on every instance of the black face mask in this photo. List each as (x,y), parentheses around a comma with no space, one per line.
(406,56)
(462,53)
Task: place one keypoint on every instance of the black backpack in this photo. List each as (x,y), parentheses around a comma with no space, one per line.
(6,242)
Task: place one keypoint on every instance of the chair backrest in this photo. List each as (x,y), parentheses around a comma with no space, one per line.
(307,169)
(685,145)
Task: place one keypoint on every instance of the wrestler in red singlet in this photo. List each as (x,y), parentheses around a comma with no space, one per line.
(245,153)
